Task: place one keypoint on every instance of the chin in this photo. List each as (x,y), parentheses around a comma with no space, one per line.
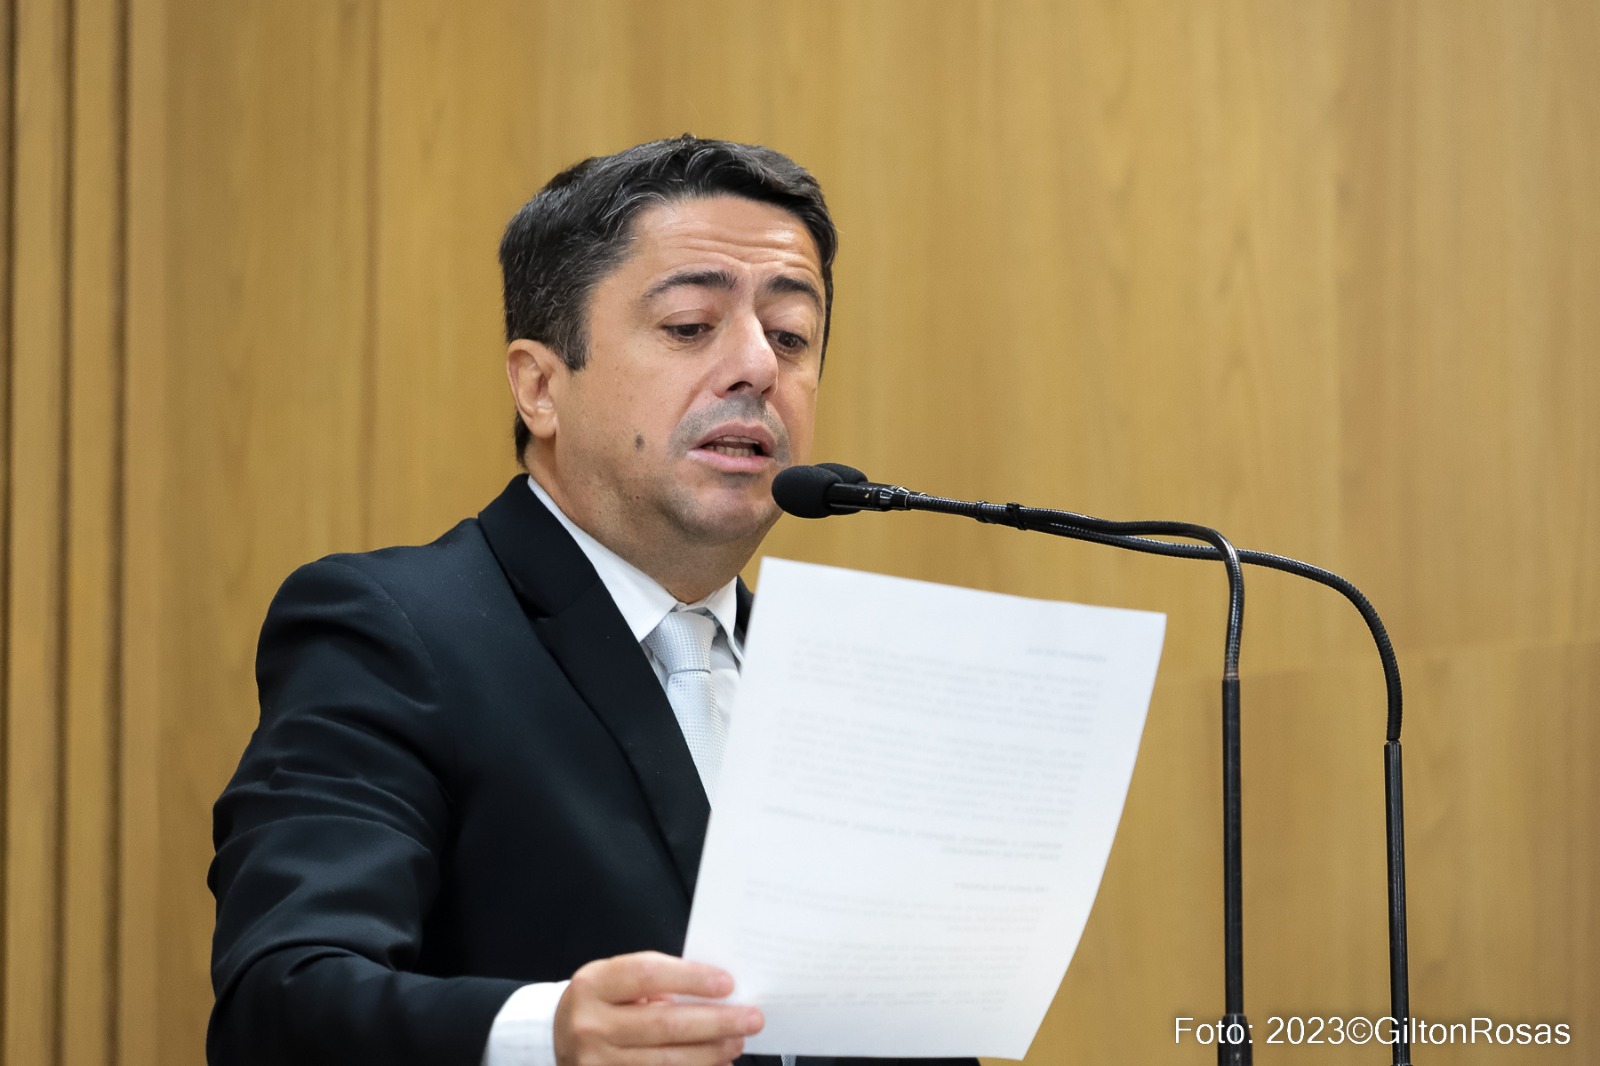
(729,525)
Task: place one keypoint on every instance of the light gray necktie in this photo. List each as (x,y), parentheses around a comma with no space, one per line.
(682,644)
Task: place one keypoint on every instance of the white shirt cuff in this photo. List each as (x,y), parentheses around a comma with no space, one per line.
(523,1033)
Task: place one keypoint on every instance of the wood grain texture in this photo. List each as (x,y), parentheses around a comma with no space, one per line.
(147,558)
(34,667)
(63,440)
(265,261)
(90,786)
(1320,273)
(7,371)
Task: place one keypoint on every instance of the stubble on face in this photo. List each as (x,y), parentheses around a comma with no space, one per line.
(740,407)
(694,512)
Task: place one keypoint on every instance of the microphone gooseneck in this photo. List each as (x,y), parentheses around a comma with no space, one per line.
(830,489)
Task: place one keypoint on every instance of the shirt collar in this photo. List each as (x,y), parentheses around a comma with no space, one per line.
(640,597)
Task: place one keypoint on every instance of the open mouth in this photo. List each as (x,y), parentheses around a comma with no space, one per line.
(738,447)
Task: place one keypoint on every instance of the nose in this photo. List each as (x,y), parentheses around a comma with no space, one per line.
(749,364)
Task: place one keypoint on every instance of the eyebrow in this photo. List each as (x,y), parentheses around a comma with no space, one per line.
(785,283)
(726,282)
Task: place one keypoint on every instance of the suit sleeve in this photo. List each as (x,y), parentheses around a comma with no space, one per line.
(328,843)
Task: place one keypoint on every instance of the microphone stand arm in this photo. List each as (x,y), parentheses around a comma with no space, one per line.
(1137,536)
(1063,524)
(1233,1044)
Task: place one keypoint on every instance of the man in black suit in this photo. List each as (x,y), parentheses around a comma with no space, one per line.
(468,826)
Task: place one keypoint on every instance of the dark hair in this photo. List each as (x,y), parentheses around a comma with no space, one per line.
(576,229)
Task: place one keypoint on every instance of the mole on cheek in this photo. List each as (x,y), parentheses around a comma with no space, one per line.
(638,442)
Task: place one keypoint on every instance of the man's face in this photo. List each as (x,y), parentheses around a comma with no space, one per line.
(705,347)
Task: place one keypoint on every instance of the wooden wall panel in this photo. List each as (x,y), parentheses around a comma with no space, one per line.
(1318,273)
(141,873)
(438,412)
(62,491)
(1471,317)
(35,604)
(266,294)
(93,552)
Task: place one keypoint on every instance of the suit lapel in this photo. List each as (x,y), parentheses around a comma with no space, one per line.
(579,624)
(746,600)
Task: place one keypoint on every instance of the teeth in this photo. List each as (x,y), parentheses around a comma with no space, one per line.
(734,446)
(744,450)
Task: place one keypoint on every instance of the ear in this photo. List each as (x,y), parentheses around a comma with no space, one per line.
(536,374)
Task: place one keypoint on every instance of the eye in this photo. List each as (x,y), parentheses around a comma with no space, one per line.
(687,331)
(786,341)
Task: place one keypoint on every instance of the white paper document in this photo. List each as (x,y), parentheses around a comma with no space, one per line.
(918,797)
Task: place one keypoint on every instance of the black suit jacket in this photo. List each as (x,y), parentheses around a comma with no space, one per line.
(466,777)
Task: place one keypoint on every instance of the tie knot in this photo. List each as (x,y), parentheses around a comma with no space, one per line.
(682,641)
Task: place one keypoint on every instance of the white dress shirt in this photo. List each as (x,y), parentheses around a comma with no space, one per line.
(523,1031)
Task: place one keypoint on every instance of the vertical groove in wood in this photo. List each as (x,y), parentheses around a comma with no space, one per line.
(7,457)
(367,440)
(65,302)
(92,601)
(111,1024)
(35,666)
(141,411)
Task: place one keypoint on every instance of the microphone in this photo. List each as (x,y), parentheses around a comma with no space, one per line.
(806,491)
(846,473)
(832,489)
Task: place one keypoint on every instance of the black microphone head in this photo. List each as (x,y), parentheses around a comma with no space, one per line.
(803,490)
(847,474)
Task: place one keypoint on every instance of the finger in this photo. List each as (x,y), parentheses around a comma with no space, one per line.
(647,974)
(671,1024)
(716,1054)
